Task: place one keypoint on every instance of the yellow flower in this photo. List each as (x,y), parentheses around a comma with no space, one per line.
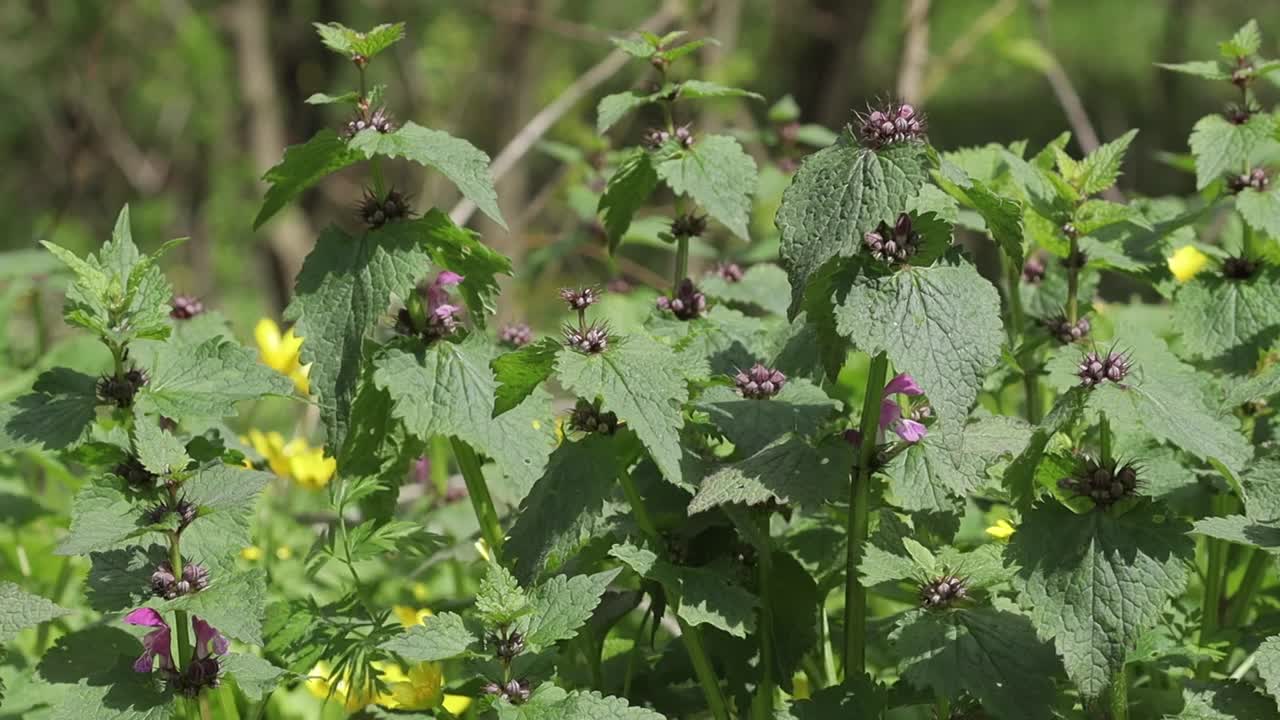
(1001,530)
(409,616)
(253,553)
(280,352)
(283,552)
(421,687)
(456,704)
(1186,261)
(322,684)
(294,460)
(271,447)
(420,592)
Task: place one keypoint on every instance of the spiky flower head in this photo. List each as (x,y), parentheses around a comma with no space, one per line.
(507,645)
(591,339)
(185,307)
(893,244)
(1255,179)
(185,511)
(590,418)
(379,120)
(1095,367)
(689,225)
(165,584)
(1033,270)
(580,299)
(891,124)
(654,138)
(515,691)
(1103,483)
(942,592)
(1067,332)
(135,473)
(1238,268)
(729,272)
(515,335)
(376,212)
(759,382)
(120,391)
(686,304)
(684,136)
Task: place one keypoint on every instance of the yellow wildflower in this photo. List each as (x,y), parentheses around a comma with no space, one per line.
(295,460)
(420,592)
(409,616)
(456,704)
(253,553)
(283,552)
(1001,530)
(280,352)
(420,687)
(1186,261)
(322,684)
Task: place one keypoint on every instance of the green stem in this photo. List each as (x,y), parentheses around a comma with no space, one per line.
(1018,326)
(1250,249)
(1073,282)
(634,656)
(379,186)
(1211,603)
(762,706)
(38,319)
(205,712)
(1254,573)
(478,491)
(439,455)
(682,263)
(1118,695)
(690,634)
(180,621)
(1104,438)
(828,652)
(855,595)
(942,708)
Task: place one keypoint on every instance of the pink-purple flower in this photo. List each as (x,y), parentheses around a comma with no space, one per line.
(155,644)
(908,428)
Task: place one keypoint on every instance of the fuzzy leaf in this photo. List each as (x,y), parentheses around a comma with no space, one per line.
(1269,665)
(460,161)
(763,286)
(1206,69)
(561,605)
(254,676)
(1099,170)
(569,507)
(159,451)
(1095,583)
(56,414)
(206,381)
(702,89)
(1220,146)
(439,637)
(345,41)
(102,518)
(1245,42)
(550,702)
(705,596)
(613,108)
(839,194)
(1093,215)
(751,424)
(945,466)
(626,192)
(788,471)
(858,697)
(1260,209)
(1002,215)
(1223,701)
(642,383)
(303,166)
(939,324)
(235,604)
(1217,315)
(500,601)
(460,250)
(521,371)
(112,690)
(20,609)
(991,654)
(717,174)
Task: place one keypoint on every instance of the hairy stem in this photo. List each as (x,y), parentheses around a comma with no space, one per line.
(855,595)
(1018,326)
(375,170)
(690,634)
(438,452)
(478,491)
(762,706)
(1073,282)
(1254,573)
(1104,438)
(1211,602)
(682,263)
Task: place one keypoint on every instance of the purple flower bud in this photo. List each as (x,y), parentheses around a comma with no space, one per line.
(376,212)
(686,304)
(515,335)
(689,225)
(730,272)
(1033,270)
(1238,268)
(891,124)
(684,136)
(759,382)
(581,298)
(588,417)
(185,307)
(1066,332)
(120,391)
(1095,368)
(590,340)
(379,120)
(655,138)
(942,592)
(133,472)
(507,645)
(1104,485)
(893,245)
(1255,179)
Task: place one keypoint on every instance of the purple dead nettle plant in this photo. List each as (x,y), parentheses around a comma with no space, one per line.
(198,672)
(430,312)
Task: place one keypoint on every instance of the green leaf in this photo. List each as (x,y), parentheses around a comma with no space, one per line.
(1217,315)
(702,89)
(939,324)
(1260,209)
(226,494)
(1247,41)
(992,655)
(717,174)
(1100,168)
(561,605)
(550,702)
(1002,215)
(343,289)
(303,166)
(839,194)
(207,381)
(101,519)
(461,250)
(750,424)
(857,697)
(1242,530)
(625,193)
(347,98)
(640,381)
(254,676)
(789,471)
(439,637)
(1094,583)
(1268,664)
(1093,215)
(762,286)
(945,466)
(445,389)
(460,161)
(702,595)
(120,580)
(500,601)
(56,414)
(1222,147)
(20,609)
(345,41)
(160,452)
(1207,69)
(521,371)
(634,46)
(234,604)
(112,691)
(1223,701)
(613,108)
(571,506)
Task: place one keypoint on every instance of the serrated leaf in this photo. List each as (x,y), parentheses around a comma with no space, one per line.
(303,166)
(1094,582)
(1093,215)
(227,493)
(521,371)
(500,600)
(1002,215)
(120,580)
(939,324)
(946,465)
(1217,315)
(789,471)
(1207,69)
(641,382)
(20,609)
(101,519)
(857,697)
(1260,209)
(838,195)
(722,341)
(561,605)
(254,676)
(345,41)
(1241,529)
(159,451)
(438,637)
(613,108)
(750,424)
(625,193)
(1223,701)
(763,286)
(1245,42)
(461,250)
(634,46)
(703,89)
(113,691)
(717,174)
(347,98)
(234,604)
(1268,664)
(344,287)
(550,702)
(56,414)
(1100,168)
(992,655)
(569,507)
(458,160)
(206,381)
(1221,147)
(703,596)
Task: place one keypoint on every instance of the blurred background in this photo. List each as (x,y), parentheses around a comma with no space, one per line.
(178,106)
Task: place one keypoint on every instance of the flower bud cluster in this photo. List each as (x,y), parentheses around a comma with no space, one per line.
(165,584)
(376,212)
(1105,484)
(588,417)
(687,303)
(185,307)
(894,123)
(1095,368)
(894,244)
(942,592)
(759,382)
(120,390)
(1067,332)
(515,335)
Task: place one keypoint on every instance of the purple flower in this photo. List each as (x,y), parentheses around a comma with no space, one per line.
(155,644)
(759,382)
(891,412)
(208,639)
(515,335)
(893,123)
(581,298)
(686,303)
(185,307)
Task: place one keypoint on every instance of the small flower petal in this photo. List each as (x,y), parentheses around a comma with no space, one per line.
(146,617)
(1002,530)
(904,384)
(1186,262)
(910,430)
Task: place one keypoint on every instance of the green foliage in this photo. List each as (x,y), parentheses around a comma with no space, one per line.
(628,189)
(20,609)
(717,174)
(345,41)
